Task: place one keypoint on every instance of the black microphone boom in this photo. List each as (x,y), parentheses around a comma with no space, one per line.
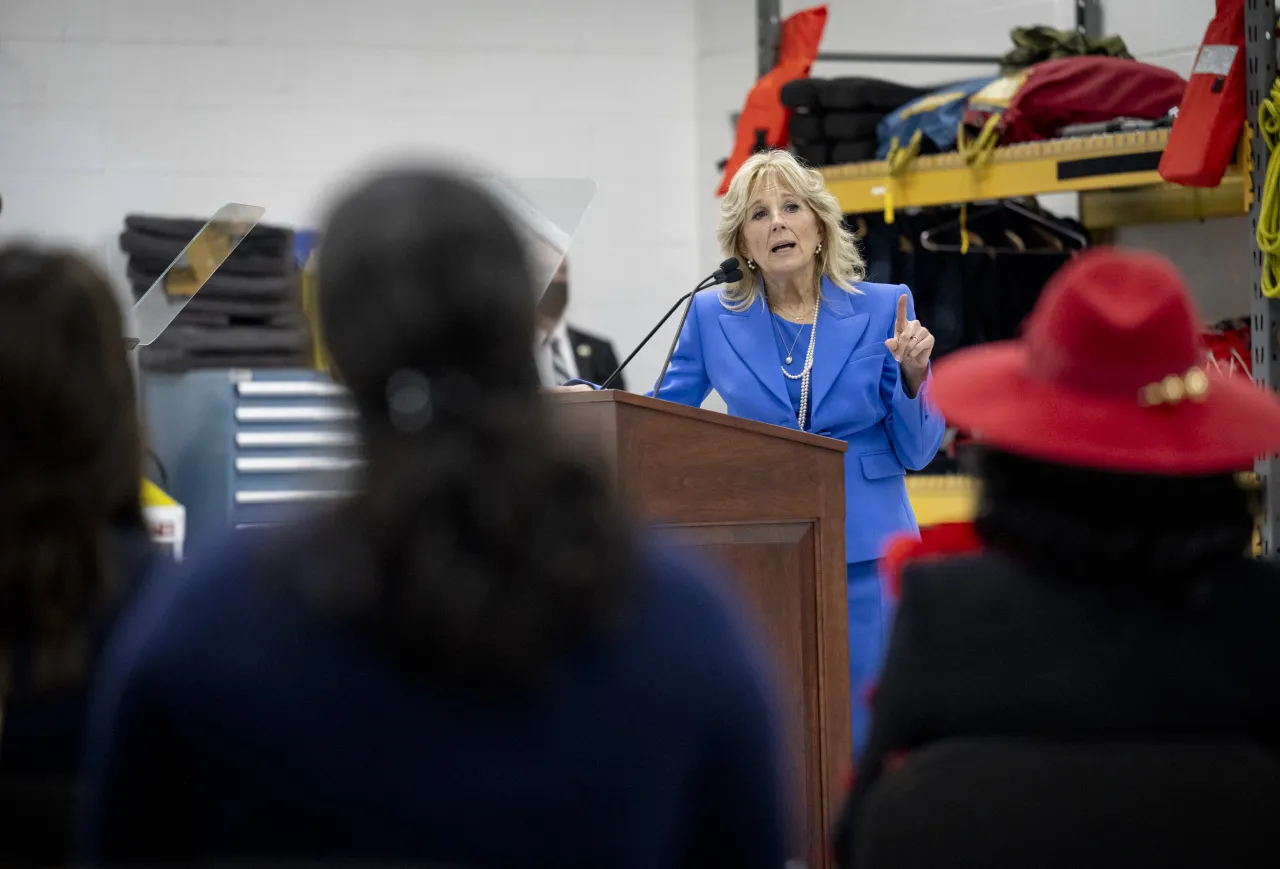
(725,274)
(728,273)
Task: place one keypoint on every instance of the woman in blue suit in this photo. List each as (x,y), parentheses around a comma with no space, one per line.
(860,374)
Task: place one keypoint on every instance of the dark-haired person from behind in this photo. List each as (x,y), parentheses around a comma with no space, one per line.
(472,661)
(73,545)
(1112,597)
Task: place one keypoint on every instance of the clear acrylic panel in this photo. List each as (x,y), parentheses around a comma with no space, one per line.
(549,211)
(189,271)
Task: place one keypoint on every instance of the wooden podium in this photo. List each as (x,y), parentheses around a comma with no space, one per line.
(767,504)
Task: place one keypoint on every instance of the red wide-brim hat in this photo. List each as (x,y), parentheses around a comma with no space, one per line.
(1108,376)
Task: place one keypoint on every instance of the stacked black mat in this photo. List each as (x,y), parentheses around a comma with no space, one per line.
(834,121)
(248,315)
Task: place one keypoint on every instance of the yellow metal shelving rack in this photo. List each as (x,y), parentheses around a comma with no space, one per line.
(1115,175)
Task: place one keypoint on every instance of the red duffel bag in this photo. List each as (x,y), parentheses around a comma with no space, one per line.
(1080,90)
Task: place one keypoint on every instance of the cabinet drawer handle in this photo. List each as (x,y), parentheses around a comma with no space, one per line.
(281,465)
(289,388)
(287,496)
(294,414)
(295,439)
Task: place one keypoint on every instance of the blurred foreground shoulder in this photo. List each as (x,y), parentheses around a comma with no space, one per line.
(182,596)
(705,619)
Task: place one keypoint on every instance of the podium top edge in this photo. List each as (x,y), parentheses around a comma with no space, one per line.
(726,420)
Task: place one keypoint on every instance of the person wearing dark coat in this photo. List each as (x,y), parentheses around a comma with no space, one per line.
(73,544)
(566,352)
(1110,594)
(473,660)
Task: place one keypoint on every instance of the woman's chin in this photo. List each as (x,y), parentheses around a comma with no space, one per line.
(788,267)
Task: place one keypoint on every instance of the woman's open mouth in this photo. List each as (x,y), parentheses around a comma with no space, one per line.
(782,246)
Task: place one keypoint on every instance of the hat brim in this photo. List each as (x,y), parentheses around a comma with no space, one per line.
(987,390)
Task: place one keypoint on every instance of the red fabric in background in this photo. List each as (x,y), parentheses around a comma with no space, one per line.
(1226,349)
(1211,117)
(936,541)
(1082,90)
(764,111)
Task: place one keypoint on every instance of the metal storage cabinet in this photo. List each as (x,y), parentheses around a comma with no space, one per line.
(250,448)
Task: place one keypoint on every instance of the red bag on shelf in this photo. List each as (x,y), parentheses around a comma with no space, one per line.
(1084,90)
(1204,136)
(763,122)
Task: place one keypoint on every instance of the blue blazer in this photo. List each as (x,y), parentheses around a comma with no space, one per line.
(856,396)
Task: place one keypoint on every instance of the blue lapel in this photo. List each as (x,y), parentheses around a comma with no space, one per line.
(750,334)
(840,328)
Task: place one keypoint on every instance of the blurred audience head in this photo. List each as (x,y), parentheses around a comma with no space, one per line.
(1111,454)
(70,450)
(478,545)
(423,274)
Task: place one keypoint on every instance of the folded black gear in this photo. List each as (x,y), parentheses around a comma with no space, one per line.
(242,311)
(225,286)
(818,154)
(159,252)
(204,320)
(236,306)
(805,129)
(236,338)
(853,152)
(264,240)
(851,126)
(169,361)
(867,94)
(802,93)
(215,307)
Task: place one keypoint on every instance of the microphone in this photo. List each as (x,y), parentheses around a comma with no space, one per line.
(727,273)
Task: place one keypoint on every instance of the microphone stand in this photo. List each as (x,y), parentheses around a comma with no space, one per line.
(720,277)
(675,339)
(680,301)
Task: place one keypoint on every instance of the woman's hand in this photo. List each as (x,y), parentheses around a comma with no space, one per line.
(573,387)
(911,345)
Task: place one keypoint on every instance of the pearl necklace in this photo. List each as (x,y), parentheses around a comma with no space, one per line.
(803,376)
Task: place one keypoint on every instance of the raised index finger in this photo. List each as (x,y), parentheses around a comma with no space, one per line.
(902,315)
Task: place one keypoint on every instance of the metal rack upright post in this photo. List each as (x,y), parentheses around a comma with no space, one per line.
(1260,72)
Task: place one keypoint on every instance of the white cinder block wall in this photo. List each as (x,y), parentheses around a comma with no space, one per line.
(177,106)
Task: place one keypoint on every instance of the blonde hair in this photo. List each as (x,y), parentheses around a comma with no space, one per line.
(839,260)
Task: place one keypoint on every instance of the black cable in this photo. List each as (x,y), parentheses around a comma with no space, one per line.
(160,469)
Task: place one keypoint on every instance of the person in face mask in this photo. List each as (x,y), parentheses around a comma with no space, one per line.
(565,353)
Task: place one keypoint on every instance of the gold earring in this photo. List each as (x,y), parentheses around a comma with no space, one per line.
(818,252)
